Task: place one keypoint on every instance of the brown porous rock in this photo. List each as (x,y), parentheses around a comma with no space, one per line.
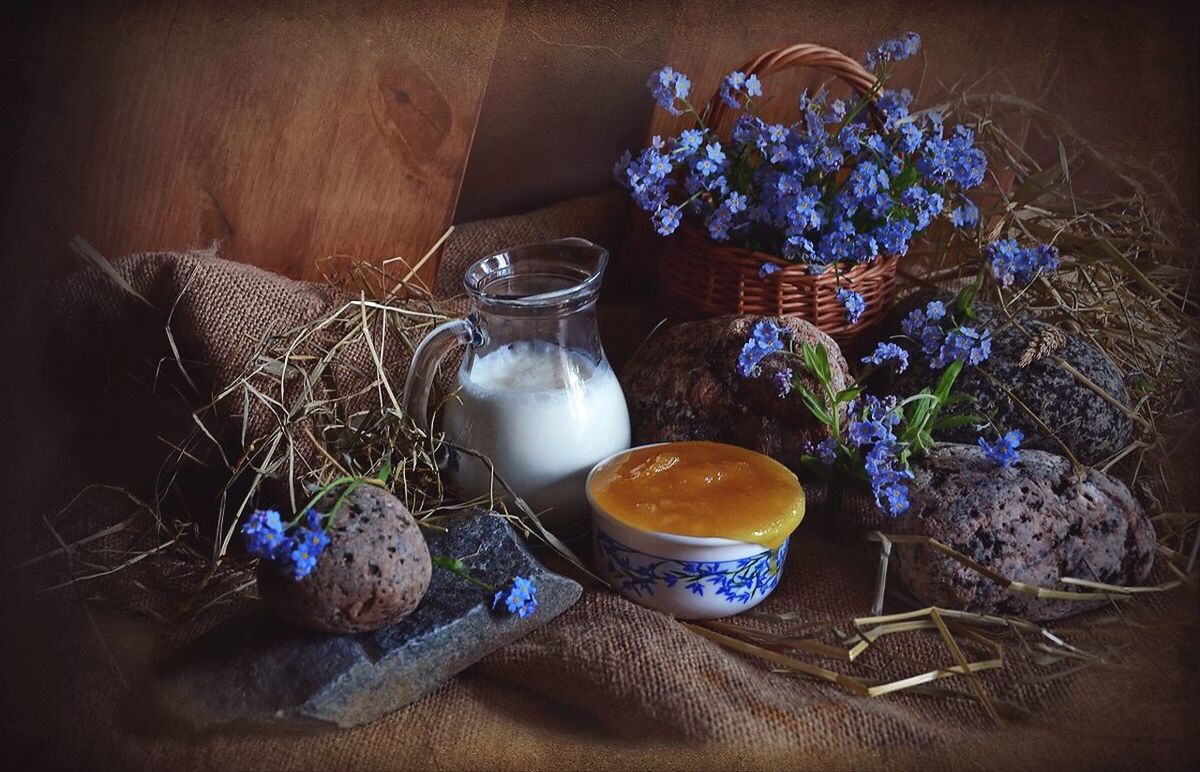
(683,384)
(1036,522)
(374,571)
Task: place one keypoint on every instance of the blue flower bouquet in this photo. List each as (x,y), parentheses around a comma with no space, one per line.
(807,219)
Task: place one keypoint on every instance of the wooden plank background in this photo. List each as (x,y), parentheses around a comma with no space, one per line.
(289,131)
(294,131)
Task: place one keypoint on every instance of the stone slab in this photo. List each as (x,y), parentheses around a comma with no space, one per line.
(256,671)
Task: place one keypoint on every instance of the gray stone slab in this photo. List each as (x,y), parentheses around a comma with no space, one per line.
(255,671)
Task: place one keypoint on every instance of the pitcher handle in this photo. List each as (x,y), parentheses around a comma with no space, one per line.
(440,341)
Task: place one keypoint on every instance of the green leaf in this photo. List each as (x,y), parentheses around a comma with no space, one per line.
(816,359)
(450,564)
(955,421)
(385,472)
(823,363)
(808,354)
(964,302)
(810,359)
(920,412)
(905,179)
(959,399)
(814,405)
(946,382)
(923,395)
(845,395)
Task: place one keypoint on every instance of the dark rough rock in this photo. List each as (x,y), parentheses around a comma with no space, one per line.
(1035,522)
(683,385)
(253,671)
(374,571)
(1091,426)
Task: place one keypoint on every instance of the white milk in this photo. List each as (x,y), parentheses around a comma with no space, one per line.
(544,416)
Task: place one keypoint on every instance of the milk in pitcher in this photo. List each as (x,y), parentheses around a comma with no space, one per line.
(544,415)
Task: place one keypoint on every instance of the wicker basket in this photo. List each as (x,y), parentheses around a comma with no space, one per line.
(699,277)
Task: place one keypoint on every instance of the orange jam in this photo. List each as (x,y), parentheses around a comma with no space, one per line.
(701,489)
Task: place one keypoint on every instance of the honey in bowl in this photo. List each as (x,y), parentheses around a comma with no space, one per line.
(705,489)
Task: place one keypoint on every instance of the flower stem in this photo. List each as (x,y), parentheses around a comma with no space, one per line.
(456,567)
(351,482)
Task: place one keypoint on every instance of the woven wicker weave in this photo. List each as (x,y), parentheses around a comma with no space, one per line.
(701,278)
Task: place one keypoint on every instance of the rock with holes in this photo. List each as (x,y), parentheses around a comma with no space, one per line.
(683,384)
(374,571)
(1035,522)
(1093,420)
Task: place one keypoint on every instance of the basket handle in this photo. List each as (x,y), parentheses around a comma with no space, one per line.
(798,55)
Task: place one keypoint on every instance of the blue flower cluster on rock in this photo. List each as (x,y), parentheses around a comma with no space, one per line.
(941,346)
(1004,450)
(1055,410)
(295,547)
(520,598)
(766,338)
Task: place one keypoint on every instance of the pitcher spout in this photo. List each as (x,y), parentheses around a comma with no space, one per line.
(565,272)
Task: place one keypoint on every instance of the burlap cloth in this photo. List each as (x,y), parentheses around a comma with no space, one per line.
(606,685)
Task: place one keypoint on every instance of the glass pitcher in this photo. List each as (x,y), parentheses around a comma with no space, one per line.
(535,393)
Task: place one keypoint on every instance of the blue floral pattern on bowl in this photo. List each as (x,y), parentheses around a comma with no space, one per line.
(743,581)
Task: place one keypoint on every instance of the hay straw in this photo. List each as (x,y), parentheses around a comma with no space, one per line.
(960,658)
(328,389)
(1106,591)
(771,648)
(315,403)
(105,266)
(791,663)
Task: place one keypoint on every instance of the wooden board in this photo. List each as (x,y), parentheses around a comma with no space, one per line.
(566,96)
(289,131)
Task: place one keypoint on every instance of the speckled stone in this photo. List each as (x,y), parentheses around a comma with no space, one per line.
(373,572)
(252,671)
(1091,426)
(1035,522)
(683,385)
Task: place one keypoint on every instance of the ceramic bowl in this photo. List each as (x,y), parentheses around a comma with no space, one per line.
(690,577)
